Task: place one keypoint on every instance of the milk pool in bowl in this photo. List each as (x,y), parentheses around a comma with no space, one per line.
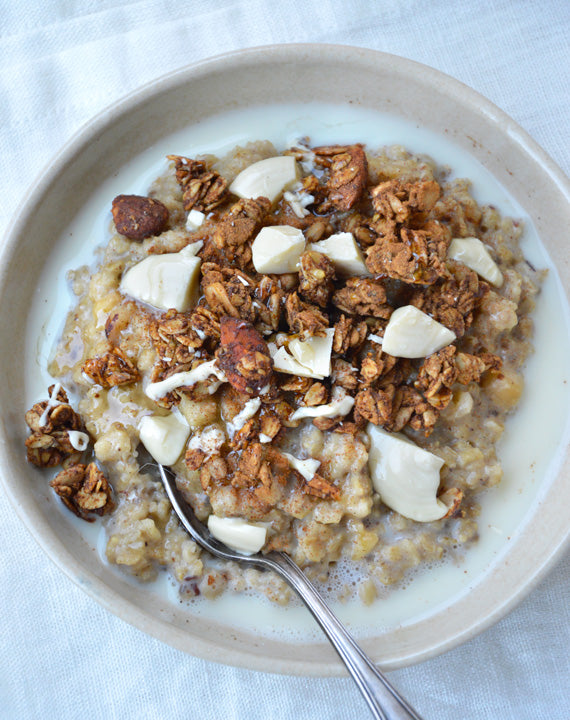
(535,436)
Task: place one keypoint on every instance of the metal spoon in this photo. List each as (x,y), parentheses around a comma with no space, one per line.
(384,701)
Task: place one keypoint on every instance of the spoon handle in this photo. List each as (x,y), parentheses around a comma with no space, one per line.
(383,700)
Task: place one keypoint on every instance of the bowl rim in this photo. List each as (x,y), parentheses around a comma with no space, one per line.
(31,516)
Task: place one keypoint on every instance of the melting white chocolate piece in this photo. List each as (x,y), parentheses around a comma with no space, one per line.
(266,178)
(238,534)
(473,253)
(164,436)
(166,281)
(405,476)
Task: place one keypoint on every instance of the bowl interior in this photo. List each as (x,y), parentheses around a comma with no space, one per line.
(52,233)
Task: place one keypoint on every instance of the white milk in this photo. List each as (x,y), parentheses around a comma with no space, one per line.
(530,450)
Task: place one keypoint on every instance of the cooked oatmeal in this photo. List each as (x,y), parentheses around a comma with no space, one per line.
(324,345)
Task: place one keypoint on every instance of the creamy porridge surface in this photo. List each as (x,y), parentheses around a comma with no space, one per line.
(324,344)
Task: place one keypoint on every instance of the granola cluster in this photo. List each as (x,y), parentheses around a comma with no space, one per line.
(244,317)
(58,437)
(401,230)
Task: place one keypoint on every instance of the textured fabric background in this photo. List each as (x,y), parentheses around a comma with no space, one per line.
(63,656)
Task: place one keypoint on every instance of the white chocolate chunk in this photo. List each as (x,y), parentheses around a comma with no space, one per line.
(285,363)
(194,220)
(266,178)
(347,257)
(238,534)
(411,333)
(159,389)
(166,281)
(277,249)
(314,353)
(405,476)
(307,467)
(473,253)
(164,436)
(341,404)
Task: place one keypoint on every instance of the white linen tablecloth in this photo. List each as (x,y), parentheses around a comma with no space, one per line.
(63,656)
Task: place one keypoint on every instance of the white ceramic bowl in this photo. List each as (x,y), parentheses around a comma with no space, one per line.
(127,135)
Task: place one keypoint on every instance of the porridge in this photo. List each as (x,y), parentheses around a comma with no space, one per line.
(322,343)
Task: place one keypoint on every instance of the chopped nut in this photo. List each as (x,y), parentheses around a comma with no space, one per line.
(138,217)
(84,489)
(203,189)
(244,356)
(316,277)
(113,368)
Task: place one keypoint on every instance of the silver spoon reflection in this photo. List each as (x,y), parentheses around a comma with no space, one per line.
(383,700)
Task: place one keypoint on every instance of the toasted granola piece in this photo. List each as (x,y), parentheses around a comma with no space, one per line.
(397,202)
(269,300)
(409,407)
(214,470)
(236,229)
(320,487)
(348,175)
(305,319)
(112,369)
(374,405)
(376,364)
(416,256)
(50,422)
(453,301)
(270,424)
(137,217)
(84,489)
(469,368)
(363,296)
(349,333)
(452,498)
(203,189)
(317,394)
(344,374)
(436,376)
(316,277)
(174,337)
(244,356)
(228,291)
